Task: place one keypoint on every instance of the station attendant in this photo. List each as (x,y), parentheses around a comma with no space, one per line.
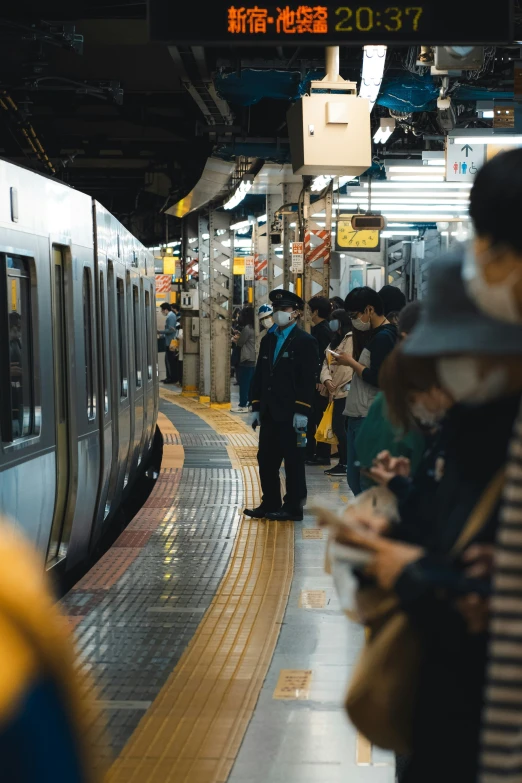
(283,391)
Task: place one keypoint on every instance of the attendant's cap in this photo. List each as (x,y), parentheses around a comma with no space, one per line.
(282,298)
(451,323)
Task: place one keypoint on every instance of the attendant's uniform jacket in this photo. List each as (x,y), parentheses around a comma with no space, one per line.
(286,386)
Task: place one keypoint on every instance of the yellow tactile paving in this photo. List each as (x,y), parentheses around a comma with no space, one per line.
(193,730)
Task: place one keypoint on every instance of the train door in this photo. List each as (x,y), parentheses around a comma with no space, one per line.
(59,532)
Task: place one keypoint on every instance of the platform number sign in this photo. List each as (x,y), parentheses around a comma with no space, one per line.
(249,268)
(297,266)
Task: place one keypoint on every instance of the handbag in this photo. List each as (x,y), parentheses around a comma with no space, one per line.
(381,697)
(324,432)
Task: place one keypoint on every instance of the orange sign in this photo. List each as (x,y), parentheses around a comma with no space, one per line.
(163,283)
(288,21)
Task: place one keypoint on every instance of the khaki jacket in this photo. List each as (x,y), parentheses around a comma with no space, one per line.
(338,374)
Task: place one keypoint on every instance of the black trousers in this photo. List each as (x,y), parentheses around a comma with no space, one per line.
(314,449)
(339,428)
(278,442)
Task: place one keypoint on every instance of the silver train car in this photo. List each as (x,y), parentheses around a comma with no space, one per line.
(78,364)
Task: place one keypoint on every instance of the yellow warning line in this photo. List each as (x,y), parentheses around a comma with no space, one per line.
(193,730)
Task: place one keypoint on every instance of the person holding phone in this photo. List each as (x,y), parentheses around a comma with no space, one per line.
(335,379)
(366,311)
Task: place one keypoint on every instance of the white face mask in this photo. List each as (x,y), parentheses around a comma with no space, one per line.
(362,326)
(429,418)
(281,318)
(495,299)
(267,323)
(460,377)
(335,324)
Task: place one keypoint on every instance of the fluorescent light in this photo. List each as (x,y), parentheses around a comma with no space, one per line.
(436,163)
(205,236)
(320,182)
(420,171)
(404,178)
(421,218)
(400,225)
(192,240)
(261,219)
(374,58)
(239,225)
(419,185)
(384,131)
(241,191)
(388,234)
(499,138)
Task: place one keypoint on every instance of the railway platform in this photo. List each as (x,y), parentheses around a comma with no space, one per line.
(216,642)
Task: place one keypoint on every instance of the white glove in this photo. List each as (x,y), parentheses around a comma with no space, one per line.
(300,422)
(255,419)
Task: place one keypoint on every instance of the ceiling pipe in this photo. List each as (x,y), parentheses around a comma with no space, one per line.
(332,64)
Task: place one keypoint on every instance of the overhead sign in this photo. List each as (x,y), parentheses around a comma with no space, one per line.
(222,22)
(348,238)
(249,268)
(297,266)
(463,160)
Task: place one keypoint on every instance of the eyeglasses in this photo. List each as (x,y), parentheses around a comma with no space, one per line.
(353,316)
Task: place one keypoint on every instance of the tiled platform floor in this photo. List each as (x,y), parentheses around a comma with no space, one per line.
(141,605)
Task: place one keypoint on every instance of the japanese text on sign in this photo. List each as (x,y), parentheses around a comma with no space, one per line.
(297,266)
(249,267)
(304,19)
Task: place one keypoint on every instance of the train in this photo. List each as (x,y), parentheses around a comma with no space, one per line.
(79,381)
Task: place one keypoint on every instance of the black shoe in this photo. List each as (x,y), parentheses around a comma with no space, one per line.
(317,461)
(257,513)
(285,515)
(337,470)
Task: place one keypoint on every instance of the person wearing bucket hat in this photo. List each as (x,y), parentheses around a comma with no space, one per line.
(492,273)
(476,361)
(282,394)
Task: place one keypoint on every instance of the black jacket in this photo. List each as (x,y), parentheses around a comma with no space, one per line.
(324,336)
(288,385)
(449,696)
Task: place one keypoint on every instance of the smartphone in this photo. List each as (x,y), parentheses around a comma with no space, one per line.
(334,353)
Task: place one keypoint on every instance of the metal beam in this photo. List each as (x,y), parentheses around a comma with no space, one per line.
(317,247)
(221,271)
(205,372)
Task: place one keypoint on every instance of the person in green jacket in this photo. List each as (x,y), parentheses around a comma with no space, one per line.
(377,434)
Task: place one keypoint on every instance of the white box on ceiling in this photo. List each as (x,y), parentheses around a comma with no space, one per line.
(330,134)
(446,59)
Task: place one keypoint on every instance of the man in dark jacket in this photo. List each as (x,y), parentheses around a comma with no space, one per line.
(319,453)
(365,308)
(282,397)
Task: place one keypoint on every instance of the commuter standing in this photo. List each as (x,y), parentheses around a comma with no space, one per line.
(283,390)
(366,310)
(245,341)
(335,379)
(169,333)
(318,453)
(492,273)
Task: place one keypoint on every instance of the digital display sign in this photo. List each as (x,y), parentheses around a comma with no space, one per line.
(225,23)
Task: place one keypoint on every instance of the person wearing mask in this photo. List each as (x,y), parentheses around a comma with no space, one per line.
(318,453)
(282,397)
(335,379)
(478,365)
(492,273)
(366,310)
(265,316)
(245,341)
(169,334)
(377,433)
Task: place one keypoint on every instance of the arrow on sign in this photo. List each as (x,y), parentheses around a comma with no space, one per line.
(467,149)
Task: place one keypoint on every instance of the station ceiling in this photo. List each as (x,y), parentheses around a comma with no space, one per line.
(86,97)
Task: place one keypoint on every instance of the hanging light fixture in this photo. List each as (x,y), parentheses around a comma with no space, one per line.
(374,58)
(384,131)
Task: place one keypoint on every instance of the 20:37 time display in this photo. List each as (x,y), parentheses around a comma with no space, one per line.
(365,18)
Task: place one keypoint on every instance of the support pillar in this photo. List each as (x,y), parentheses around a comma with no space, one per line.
(317,246)
(221,285)
(190,317)
(204,307)
(290,234)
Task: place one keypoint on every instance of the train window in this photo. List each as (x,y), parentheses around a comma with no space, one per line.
(103,346)
(148,317)
(137,334)
(122,332)
(88,343)
(21,420)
